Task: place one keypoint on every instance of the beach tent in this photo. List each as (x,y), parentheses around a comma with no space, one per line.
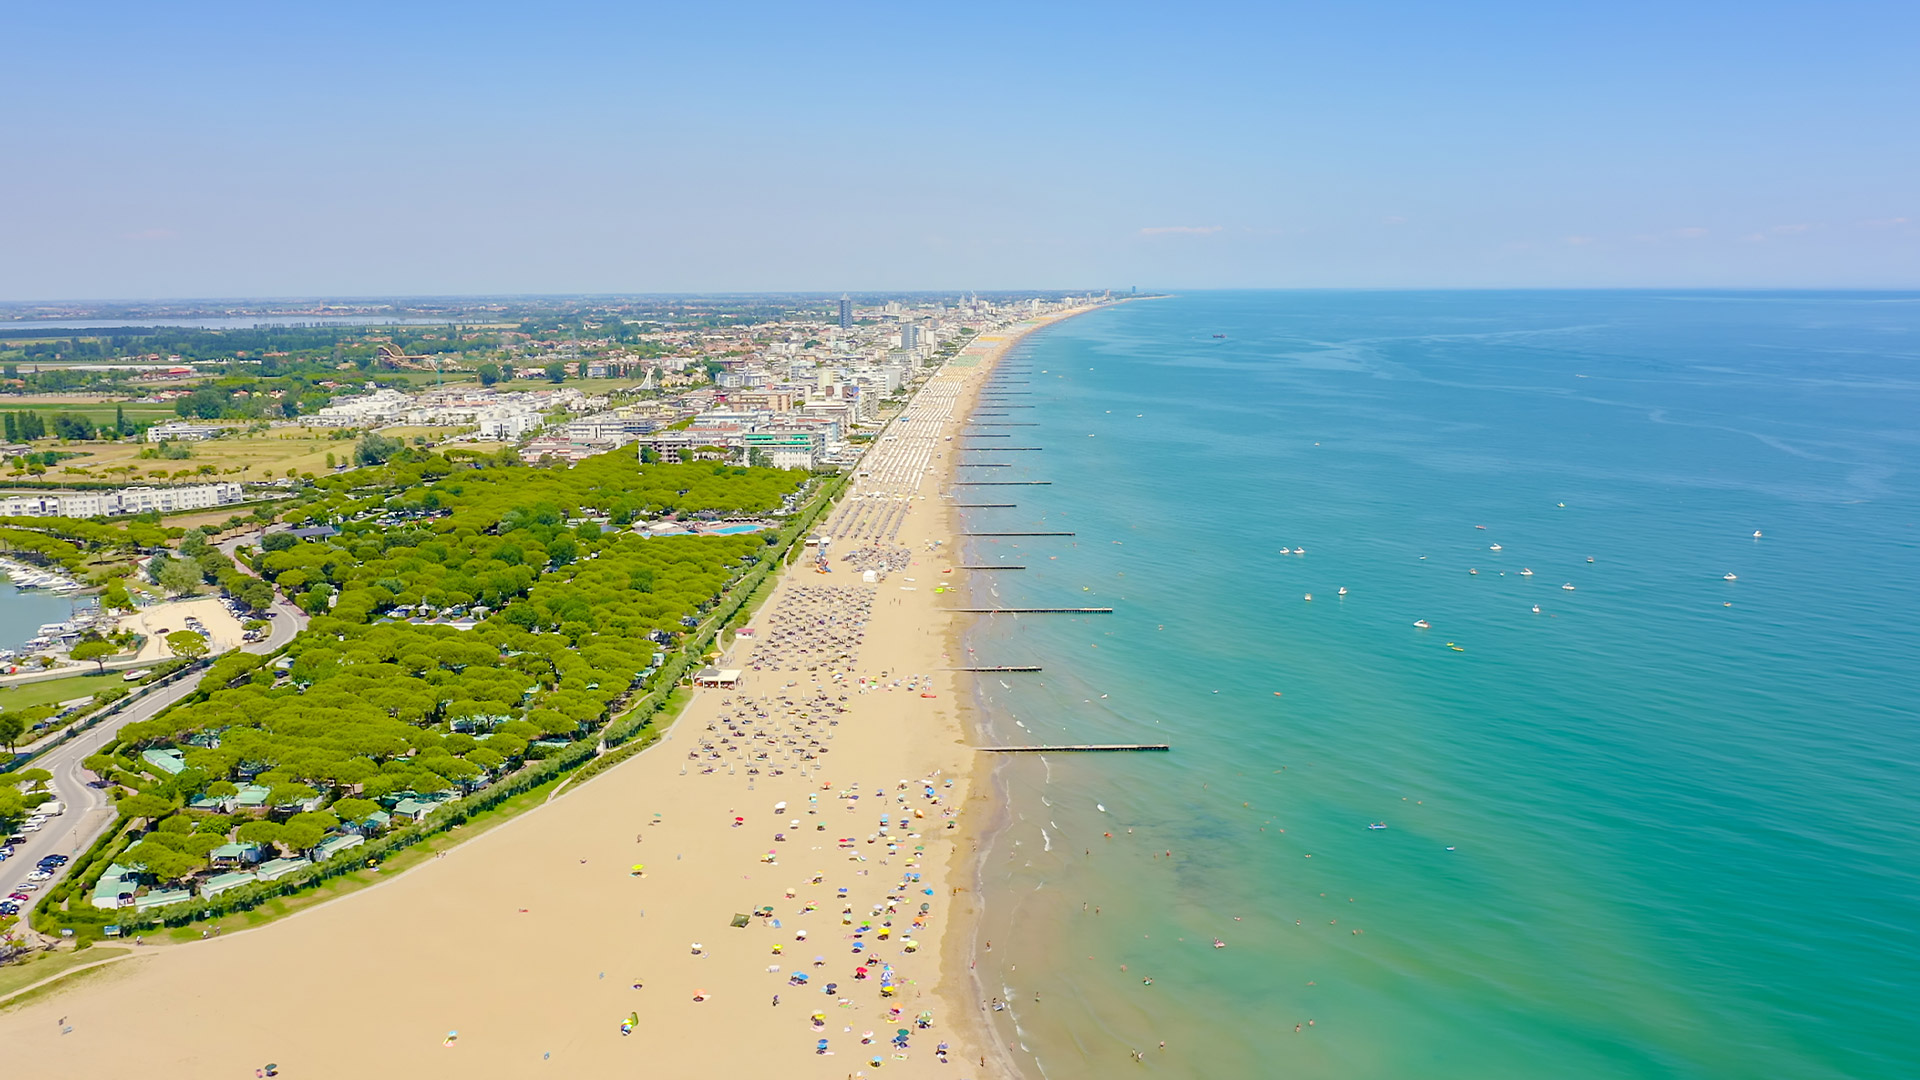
(739,920)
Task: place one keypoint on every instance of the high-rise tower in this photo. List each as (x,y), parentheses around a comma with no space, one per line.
(846,312)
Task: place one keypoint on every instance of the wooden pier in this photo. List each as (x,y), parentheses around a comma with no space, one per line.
(999,449)
(998,483)
(1010,423)
(1002,567)
(1076,748)
(1003,667)
(984,506)
(983,464)
(1016,534)
(964,435)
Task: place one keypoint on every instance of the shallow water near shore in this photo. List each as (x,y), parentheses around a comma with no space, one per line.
(1638,833)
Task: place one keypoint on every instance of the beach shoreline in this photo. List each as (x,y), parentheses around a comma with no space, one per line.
(963,940)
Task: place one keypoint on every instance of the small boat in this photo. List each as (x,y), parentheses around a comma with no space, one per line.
(1454,647)
(1568,586)
(1219,335)
(1471,570)
(1756,534)
(1524,572)
(1422,623)
(1102,807)
(1299,551)
(1495,547)
(1730,577)
(1309,596)
(1589,558)
(1343,590)
(1562,506)
(1376,825)
(1536,609)
(1218,944)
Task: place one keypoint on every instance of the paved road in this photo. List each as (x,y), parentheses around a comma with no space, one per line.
(89,810)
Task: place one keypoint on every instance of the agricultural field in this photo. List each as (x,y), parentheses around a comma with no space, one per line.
(95,407)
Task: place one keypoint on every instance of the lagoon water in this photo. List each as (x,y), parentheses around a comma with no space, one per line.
(1669,826)
(22,614)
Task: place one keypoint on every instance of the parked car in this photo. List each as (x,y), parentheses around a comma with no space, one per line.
(8,907)
(18,895)
(40,875)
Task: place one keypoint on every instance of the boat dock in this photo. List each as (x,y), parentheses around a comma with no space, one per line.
(998,449)
(984,506)
(1017,534)
(989,568)
(997,483)
(1075,748)
(1003,667)
(983,464)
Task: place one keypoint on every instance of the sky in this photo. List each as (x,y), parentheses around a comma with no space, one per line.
(348,149)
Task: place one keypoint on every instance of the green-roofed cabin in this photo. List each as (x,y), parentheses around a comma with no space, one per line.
(169,762)
(237,854)
(220,883)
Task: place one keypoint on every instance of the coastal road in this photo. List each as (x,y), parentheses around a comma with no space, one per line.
(89,810)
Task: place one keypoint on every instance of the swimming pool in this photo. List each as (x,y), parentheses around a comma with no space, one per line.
(734,530)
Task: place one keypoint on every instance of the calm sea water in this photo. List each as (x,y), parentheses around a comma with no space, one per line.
(1668,826)
(22,614)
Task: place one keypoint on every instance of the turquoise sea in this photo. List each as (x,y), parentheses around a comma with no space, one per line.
(1668,826)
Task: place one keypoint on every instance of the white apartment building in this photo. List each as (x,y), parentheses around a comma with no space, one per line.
(181,431)
(368,410)
(137,500)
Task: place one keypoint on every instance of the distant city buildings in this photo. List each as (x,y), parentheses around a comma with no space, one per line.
(182,431)
(846,312)
(135,500)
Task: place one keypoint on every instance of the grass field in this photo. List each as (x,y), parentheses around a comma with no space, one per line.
(14,977)
(54,691)
(93,408)
(267,455)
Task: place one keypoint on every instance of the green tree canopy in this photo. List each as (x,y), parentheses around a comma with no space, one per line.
(187,645)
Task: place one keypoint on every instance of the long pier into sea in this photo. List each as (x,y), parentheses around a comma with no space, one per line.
(998,483)
(1075,748)
(1000,449)
(984,506)
(1003,567)
(1000,667)
(1017,534)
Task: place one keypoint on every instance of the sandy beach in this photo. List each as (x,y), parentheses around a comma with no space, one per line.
(831,798)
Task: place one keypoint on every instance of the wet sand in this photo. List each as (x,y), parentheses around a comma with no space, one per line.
(520,952)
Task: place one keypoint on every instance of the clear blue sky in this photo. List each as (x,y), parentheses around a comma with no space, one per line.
(354,149)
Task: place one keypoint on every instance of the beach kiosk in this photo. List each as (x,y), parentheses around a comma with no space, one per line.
(717,678)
